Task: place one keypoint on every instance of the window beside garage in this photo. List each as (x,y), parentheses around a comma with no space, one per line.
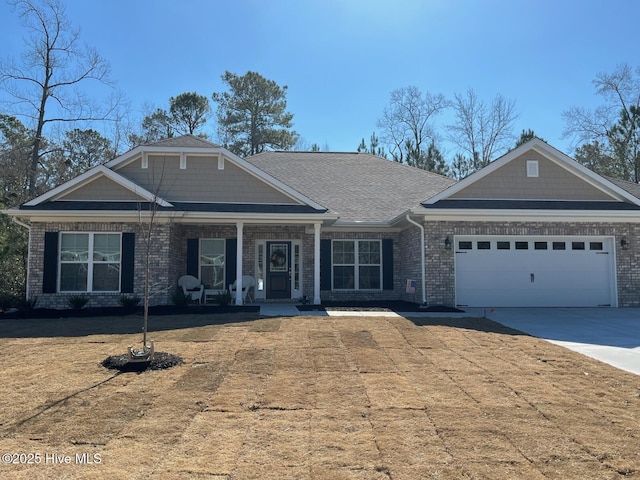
(357,264)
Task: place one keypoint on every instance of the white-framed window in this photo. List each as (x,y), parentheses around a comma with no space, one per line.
(89,262)
(356,264)
(212,261)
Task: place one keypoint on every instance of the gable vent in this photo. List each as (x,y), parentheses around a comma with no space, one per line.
(532,168)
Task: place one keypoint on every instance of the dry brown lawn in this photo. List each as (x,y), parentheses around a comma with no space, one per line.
(312,398)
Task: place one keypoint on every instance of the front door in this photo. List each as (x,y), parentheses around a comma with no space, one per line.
(278,270)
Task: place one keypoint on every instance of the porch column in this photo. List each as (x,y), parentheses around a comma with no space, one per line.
(316,264)
(239,228)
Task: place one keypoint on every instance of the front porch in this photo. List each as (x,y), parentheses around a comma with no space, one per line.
(282,260)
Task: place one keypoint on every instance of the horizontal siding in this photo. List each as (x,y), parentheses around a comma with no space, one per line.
(511,182)
(102,188)
(201,181)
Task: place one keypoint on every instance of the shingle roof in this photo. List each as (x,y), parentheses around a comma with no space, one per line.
(184,141)
(629,187)
(357,186)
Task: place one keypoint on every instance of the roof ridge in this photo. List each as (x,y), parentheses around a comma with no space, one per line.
(189,136)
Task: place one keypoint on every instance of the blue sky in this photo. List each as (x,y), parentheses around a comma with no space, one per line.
(342,58)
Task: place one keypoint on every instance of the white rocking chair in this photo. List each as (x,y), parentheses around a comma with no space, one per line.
(248,283)
(191,287)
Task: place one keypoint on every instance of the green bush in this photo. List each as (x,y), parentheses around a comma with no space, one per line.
(223,298)
(179,298)
(78,302)
(27,305)
(129,302)
(8,301)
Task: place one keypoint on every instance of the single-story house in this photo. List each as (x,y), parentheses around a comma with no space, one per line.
(533,228)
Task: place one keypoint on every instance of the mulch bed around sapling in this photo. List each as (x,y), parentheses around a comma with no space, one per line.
(159,361)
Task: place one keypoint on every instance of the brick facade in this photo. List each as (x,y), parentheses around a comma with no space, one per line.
(159,259)
(169,256)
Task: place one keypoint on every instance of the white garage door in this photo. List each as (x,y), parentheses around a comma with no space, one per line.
(535,271)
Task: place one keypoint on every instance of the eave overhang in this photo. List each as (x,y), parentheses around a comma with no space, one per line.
(529,215)
(167,215)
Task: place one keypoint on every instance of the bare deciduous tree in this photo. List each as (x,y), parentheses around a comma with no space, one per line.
(615,125)
(407,123)
(44,84)
(482,131)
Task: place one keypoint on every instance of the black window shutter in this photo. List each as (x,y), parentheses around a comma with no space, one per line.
(50,265)
(325,264)
(128,262)
(193,254)
(230,252)
(387,264)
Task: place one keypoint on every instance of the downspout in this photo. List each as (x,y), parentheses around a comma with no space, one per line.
(422,259)
(28,227)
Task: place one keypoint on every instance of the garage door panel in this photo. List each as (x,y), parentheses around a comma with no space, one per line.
(579,275)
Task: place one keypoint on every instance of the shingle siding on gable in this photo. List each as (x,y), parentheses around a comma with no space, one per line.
(201,181)
(102,189)
(511,182)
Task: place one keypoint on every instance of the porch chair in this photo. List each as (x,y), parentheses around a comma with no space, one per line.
(191,287)
(248,283)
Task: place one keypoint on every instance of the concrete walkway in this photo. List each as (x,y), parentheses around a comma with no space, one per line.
(611,335)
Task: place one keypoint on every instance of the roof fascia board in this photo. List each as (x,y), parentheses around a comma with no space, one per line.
(552,154)
(100,216)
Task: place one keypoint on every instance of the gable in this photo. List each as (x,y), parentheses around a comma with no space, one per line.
(205,178)
(101,189)
(511,182)
(101,174)
(555,178)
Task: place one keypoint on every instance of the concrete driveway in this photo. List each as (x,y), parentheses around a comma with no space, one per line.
(611,335)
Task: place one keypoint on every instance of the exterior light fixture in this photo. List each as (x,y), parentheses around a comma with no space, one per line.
(447,243)
(624,244)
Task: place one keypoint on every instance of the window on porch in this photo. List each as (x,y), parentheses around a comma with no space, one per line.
(212,262)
